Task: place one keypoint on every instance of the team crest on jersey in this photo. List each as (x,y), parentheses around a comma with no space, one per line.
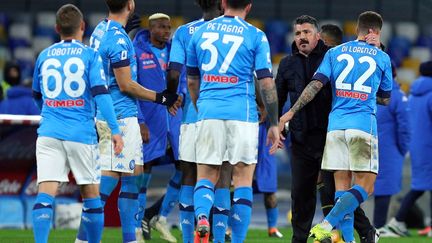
(132,164)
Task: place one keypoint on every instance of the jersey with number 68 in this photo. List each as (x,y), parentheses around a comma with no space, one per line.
(116,49)
(358,73)
(225,52)
(68,74)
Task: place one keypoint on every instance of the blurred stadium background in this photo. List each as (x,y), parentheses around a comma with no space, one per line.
(26,28)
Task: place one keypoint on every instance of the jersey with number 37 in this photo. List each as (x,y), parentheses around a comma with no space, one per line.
(116,49)
(67,74)
(227,51)
(358,73)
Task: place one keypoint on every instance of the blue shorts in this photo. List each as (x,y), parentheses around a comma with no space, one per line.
(266,169)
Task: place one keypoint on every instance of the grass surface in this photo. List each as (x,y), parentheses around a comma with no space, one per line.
(114,235)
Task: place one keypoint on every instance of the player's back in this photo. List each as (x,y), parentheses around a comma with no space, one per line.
(228,50)
(178,55)
(64,74)
(116,49)
(359,72)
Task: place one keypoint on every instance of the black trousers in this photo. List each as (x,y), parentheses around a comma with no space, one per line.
(304,169)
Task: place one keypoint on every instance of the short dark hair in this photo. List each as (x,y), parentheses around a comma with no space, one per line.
(306,19)
(369,20)
(68,19)
(333,31)
(116,6)
(238,4)
(207,5)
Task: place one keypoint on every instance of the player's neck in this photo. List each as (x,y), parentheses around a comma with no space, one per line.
(361,38)
(72,37)
(211,14)
(234,12)
(157,44)
(122,18)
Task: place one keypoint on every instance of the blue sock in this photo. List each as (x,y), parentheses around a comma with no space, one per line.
(346,204)
(241,213)
(221,210)
(42,217)
(128,206)
(272,217)
(187,218)
(347,223)
(171,195)
(93,219)
(203,198)
(107,185)
(142,197)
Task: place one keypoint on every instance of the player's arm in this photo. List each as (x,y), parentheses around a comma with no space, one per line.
(194,86)
(193,72)
(126,85)
(306,96)
(37,94)
(386,85)
(383,101)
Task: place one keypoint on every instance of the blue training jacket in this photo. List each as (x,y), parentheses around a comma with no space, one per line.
(393,140)
(155,116)
(420,109)
(19,101)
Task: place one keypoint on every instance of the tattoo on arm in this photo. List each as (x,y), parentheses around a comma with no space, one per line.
(382,101)
(270,100)
(307,95)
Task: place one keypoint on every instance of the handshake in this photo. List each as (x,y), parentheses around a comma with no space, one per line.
(172,100)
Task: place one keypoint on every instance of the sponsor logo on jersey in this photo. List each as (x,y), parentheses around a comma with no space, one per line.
(64,103)
(211,78)
(352,95)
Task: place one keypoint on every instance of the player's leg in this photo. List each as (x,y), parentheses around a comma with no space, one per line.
(186,205)
(210,151)
(222,203)
(381,207)
(326,189)
(242,144)
(83,162)
(51,169)
(241,211)
(188,167)
(270,203)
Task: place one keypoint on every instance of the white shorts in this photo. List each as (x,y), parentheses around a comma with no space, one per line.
(132,151)
(226,140)
(56,158)
(187,142)
(351,150)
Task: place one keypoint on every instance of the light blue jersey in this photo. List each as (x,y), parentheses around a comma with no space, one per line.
(115,47)
(358,72)
(68,74)
(225,52)
(177,62)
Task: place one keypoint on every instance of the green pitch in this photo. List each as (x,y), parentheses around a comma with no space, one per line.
(113,235)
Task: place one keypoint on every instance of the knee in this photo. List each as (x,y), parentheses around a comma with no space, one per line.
(270,200)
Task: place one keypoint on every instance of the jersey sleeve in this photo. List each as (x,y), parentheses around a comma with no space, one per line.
(119,51)
(178,51)
(323,72)
(263,63)
(386,84)
(36,77)
(96,72)
(192,60)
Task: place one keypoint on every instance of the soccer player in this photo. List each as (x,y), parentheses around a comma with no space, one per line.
(119,60)
(177,78)
(68,79)
(360,76)
(222,56)
(152,47)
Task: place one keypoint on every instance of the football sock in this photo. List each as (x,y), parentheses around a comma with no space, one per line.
(326,199)
(221,210)
(142,199)
(42,217)
(203,198)
(92,219)
(272,217)
(346,204)
(347,223)
(187,217)
(172,194)
(241,213)
(128,206)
